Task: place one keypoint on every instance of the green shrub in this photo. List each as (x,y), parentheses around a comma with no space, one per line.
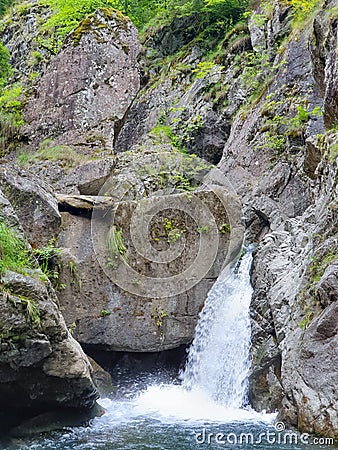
(29,306)
(68,14)
(5,67)
(10,115)
(8,131)
(117,249)
(4,5)
(164,133)
(14,254)
(319,264)
(304,13)
(333,153)
(47,259)
(298,123)
(11,105)
(220,9)
(303,7)
(203,68)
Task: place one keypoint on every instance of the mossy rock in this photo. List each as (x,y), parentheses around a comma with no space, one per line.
(98,21)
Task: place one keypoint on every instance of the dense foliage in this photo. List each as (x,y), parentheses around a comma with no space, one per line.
(68,13)
(4,4)
(304,6)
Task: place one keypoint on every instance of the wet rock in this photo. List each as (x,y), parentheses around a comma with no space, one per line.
(315,363)
(55,420)
(103,379)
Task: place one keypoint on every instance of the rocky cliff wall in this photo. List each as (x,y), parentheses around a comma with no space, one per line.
(290,194)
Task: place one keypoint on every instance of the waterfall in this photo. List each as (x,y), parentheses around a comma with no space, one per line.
(218,361)
(214,383)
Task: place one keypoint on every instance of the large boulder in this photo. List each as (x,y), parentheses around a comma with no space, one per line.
(88,86)
(87,178)
(126,299)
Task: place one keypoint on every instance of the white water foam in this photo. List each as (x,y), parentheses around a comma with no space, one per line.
(176,404)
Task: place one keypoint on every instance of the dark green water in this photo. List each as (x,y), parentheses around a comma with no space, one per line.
(144,434)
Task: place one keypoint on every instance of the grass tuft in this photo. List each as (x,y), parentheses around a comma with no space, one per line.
(14,254)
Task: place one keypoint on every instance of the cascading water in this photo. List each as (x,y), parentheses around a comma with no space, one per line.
(218,361)
(214,382)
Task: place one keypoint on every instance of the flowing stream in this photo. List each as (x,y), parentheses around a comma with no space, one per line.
(206,408)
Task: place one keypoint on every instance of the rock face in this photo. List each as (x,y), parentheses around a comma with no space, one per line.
(325,62)
(185,99)
(289,191)
(91,177)
(268,109)
(42,368)
(88,87)
(28,54)
(34,204)
(314,375)
(131,318)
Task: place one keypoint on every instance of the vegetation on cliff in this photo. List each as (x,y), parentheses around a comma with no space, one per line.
(13,250)
(67,14)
